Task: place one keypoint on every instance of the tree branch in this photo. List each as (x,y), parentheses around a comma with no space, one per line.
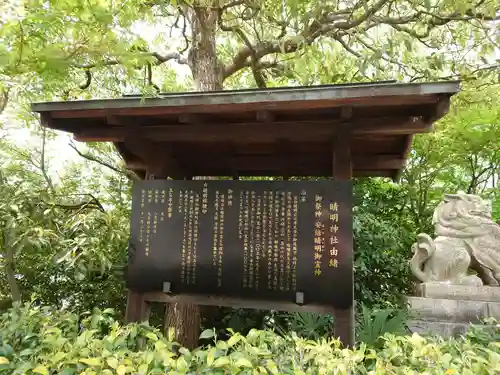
(89,157)
(330,21)
(92,203)
(257,74)
(4,99)
(42,160)
(160,59)
(88,80)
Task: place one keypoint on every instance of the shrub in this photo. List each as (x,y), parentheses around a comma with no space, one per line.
(46,341)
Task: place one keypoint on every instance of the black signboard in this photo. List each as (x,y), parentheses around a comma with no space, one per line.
(265,240)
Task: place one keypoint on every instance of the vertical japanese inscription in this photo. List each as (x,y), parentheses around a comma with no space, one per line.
(333,216)
(251,241)
(170,208)
(221,238)
(190,214)
(204,202)
(257,241)
(229,197)
(246,250)
(270,237)
(163,198)
(142,219)
(318,234)
(267,228)
(240,217)
(184,208)
(276,242)
(263,243)
(282,241)
(289,229)
(295,210)
(149,222)
(215,245)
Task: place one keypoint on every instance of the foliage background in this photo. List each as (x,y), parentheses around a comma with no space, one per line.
(64,207)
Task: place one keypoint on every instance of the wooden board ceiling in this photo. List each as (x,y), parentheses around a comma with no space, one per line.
(261,132)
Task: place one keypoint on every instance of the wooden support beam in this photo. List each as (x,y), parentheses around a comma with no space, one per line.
(441,108)
(243,303)
(304,172)
(254,132)
(283,163)
(345,113)
(342,170)
(155,156)
(406,152)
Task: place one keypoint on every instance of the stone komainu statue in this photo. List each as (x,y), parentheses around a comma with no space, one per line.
(466,238)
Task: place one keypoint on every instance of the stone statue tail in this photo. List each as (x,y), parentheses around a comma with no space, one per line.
(423,250)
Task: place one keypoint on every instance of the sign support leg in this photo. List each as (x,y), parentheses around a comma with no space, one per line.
(138,309)
(342,170)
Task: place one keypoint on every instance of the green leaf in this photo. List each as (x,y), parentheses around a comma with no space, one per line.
(210,356)
(152,336)
(58,357)
(181,364)
(222,345)
(243,362)
(171,334)
(160,345)
(112,362)
(91,361)
(207,334)
(40,369)
(121,370)
(222,361)
(143,369)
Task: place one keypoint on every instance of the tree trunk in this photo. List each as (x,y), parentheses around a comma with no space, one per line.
(203,61)
(185,318)
(11,275)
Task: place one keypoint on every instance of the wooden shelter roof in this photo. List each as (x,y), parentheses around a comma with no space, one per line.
(259,132)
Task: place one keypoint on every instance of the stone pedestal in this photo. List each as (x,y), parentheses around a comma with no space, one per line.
(448,310)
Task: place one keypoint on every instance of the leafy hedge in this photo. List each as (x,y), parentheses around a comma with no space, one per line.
(47,341)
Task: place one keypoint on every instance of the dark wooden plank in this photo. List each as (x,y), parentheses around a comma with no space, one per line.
(281,162)
(255,132)
(319,173)
(235,302)
(359,145)
(163,107)
(308,95)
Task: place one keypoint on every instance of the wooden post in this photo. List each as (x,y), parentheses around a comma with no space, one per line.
(138,310)
(342,170)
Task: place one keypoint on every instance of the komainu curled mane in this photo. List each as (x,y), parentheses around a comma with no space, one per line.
(466,238)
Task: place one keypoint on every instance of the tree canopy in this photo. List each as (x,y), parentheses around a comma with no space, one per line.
(75,48)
